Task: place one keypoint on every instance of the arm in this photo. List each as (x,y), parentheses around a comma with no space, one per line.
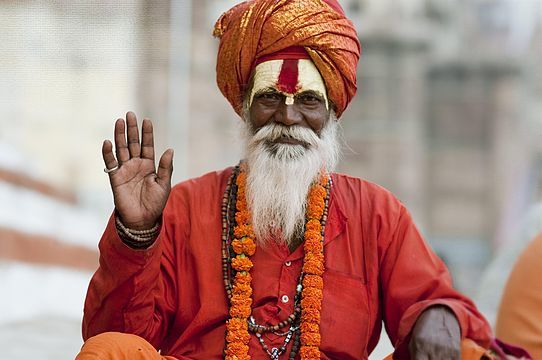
(414,279)
(133,290)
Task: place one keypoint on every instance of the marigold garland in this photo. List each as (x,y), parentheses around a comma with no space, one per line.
(309,327)
(313,267)
(240,263)
(311,338)
(313,236)
(313,225)
(237,334)
(243,278)
(309,352)
(310,316)
(310,303)
(244,246)
(313,281)
(242,217)
(243,230)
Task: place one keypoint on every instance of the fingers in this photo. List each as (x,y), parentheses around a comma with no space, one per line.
(133,135)
(107,154)
(121,148)
(127,143)
(165,168)
(147,140)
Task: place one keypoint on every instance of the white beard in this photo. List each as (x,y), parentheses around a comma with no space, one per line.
(280,175)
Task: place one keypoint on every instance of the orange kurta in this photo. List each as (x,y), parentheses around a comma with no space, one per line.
(519,320)
(377,268)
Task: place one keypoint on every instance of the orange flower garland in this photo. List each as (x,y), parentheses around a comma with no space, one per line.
(244,246)
(313,267)
(237,335)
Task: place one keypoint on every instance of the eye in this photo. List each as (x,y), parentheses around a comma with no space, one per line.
(309,99)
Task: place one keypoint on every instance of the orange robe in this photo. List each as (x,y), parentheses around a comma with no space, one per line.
(377,268)
(519,320)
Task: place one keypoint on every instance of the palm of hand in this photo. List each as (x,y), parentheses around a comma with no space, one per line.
(138,196)
(139,191)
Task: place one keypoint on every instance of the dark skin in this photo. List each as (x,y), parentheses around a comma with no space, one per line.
(140,192)
(436,335)
(309,110)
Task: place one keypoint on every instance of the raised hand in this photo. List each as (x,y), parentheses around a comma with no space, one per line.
(140,191)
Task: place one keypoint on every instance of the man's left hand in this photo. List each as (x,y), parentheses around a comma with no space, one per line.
(436,335)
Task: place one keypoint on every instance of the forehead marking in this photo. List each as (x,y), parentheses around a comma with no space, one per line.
(288,77)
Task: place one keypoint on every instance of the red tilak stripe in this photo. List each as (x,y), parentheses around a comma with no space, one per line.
(288,76)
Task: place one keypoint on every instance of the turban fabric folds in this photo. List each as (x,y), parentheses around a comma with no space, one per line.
(260,28)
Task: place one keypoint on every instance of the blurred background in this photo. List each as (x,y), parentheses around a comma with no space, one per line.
(447,117)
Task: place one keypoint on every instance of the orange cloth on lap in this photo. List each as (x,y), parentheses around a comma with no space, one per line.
(469,351)
(119,346)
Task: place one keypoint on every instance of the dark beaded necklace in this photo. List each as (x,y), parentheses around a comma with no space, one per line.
(293,321)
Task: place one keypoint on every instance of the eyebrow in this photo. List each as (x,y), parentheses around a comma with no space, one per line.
(267,90)
(311,92)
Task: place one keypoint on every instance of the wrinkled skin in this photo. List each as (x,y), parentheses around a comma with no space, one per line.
(309,110)
(140,191)
(436,335)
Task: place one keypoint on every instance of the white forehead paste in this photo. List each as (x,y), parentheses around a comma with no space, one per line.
(310,79)
(266,76)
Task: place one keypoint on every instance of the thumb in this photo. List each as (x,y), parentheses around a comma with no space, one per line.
(165,168)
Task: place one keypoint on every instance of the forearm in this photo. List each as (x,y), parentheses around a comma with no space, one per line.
(472,324)
(415,279)
(125,287)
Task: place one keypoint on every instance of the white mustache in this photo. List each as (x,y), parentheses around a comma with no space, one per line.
(274,131)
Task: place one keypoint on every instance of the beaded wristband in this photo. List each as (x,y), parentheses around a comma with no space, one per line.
(138,239)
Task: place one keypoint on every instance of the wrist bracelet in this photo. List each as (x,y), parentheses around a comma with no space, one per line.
(150,231)
(139,237)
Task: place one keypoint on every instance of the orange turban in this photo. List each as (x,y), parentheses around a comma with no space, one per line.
(258,28)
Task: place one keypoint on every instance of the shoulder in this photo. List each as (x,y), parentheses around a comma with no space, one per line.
(370,197)
(209,186)
(206,181)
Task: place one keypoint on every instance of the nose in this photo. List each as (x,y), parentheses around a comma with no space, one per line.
(289,115)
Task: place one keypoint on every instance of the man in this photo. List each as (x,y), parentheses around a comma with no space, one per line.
(278,257)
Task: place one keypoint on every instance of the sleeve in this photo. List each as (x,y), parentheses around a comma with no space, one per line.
(135,291)
(413,278)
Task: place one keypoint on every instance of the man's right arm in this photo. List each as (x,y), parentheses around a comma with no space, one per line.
(133,290)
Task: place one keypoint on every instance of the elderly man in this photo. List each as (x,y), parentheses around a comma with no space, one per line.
(277,257)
